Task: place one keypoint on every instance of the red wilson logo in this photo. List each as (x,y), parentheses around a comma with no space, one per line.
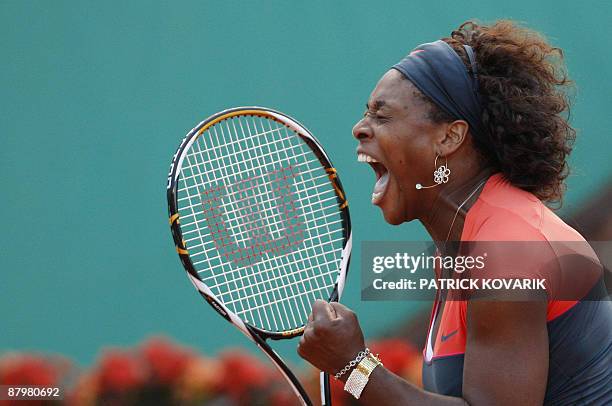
(255,217)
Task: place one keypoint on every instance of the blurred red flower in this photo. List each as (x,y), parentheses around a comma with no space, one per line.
(241,373)
(166,360)
(119,371)
(25,369)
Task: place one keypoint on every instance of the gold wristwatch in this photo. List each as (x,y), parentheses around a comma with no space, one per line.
(360,376)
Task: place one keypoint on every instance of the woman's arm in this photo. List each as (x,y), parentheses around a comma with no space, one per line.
(506,358)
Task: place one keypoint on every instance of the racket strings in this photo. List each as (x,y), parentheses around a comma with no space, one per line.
(246,171)
(252,191)
(301,262)
(211,251)
(256,230)
(268,204)
(270,292)
(317,274)
(289,293)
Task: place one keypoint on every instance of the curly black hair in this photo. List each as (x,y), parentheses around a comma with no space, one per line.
(524,87)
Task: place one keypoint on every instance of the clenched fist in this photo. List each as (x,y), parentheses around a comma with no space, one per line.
(332,337)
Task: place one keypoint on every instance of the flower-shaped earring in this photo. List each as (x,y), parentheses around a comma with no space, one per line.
(441,174)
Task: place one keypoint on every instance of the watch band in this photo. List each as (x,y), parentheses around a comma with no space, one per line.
(360,376)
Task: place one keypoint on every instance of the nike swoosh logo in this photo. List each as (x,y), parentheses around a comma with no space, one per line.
(446,337)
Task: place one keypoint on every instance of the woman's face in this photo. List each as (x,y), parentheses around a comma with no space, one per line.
(397,135)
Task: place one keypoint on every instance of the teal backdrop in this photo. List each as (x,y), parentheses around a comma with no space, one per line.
(97,95)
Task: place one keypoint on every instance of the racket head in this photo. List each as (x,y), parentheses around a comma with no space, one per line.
(251,193)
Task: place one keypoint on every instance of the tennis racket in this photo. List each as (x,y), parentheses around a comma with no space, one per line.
(261,224)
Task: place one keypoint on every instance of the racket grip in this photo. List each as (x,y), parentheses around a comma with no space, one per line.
(325,389)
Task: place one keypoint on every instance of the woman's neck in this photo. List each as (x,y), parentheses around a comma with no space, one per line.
(444,220)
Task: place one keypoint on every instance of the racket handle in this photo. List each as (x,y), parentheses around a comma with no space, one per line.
(325,389)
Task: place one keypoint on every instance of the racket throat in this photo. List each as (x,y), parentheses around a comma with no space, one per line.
(280,365)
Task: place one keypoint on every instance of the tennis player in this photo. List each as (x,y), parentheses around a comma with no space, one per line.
(469,135)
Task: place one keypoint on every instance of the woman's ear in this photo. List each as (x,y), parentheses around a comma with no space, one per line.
(454,137)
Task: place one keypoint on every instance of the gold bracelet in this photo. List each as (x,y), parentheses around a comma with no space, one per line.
(360,376)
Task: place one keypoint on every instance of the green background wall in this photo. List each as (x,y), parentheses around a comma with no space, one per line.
(97,95)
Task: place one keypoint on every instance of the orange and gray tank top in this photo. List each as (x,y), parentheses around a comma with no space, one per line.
(579,331)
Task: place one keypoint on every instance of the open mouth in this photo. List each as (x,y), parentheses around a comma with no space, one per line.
(382,176)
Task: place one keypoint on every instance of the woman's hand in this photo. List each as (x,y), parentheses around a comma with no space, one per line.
(332,337)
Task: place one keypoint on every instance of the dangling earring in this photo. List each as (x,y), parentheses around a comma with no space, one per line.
(440,175)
